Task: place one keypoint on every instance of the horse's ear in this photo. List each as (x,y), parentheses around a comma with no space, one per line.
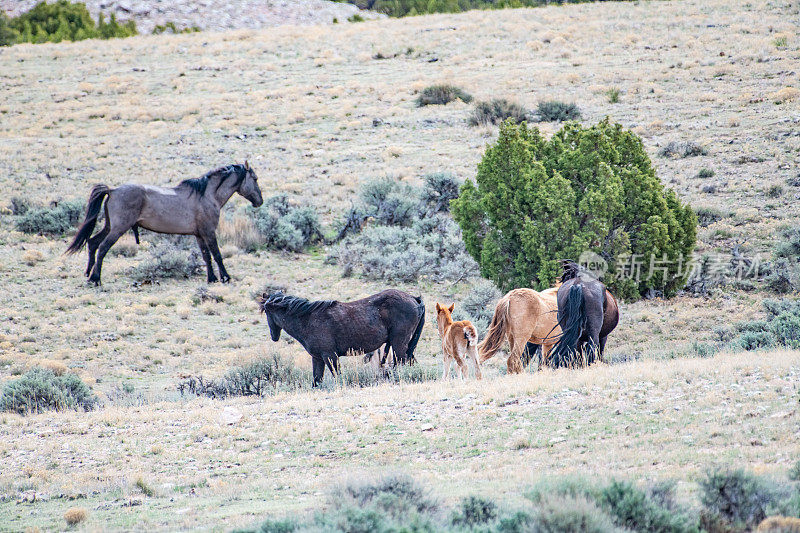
(452,306)
(438,307)
(246,165)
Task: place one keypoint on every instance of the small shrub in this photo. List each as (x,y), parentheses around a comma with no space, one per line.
(774,191)
(395,495)
(55,220)
(567,514)
(497,111)
(40,389)
(557,111)
(789,246)
(441,95)
(631,508)
(75,515)
(779,276)
(283,226)
(125,247)
(785,329)
(170,27)
(613,95)
(355,17)
(705,173)
(474,511)
(439,189)
(736,497)
(144,487)
(794,472)
(752,340)
(704,349)
(166,261)
(682,149)
(779,524)
(389,202)
(19,204)
(707,216)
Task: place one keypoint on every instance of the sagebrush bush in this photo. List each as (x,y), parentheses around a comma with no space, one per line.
(635,510)
(705,173)
(40,389)
(55,220)
(439,189)
(497,111)
(60,21)
(283,226)
(19,204)
(781,328)
(708,215)
(441,95)
(75,515)
(406,235)
(682,149)
(595,185)
(557,111)
(167,261)
(474,511)
(789,245)
(738,498)
(566,514)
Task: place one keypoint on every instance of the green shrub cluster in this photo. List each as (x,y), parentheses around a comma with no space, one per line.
(441,95)
(402,233)
(730,500)
(55,220)
(170,27)
(496,111)
(538,201)
(284,226)
(557,111)
(780,328)
(41,390)
(167,261)
(60,21)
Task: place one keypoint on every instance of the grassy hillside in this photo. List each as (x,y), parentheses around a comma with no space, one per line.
(317,111)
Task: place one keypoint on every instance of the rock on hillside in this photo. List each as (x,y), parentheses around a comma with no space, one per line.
(212,14)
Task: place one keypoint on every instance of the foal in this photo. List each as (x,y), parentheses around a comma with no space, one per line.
(458,340)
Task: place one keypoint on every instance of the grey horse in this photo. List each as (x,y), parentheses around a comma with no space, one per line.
(191,208)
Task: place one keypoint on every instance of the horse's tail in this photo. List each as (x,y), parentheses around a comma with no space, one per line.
(96,197)
(496,335)
(412,344)
(565,350)
(471,334)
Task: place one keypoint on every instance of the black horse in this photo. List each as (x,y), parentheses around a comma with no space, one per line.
(587,313)
(328,329)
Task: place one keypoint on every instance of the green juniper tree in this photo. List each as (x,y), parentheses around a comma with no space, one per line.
(539,201)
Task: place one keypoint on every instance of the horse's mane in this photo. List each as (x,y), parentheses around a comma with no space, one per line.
(571,270)
(198,185)
(293,305)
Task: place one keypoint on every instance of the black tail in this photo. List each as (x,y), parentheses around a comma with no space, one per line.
(565,351)
(412,344)
(96,198)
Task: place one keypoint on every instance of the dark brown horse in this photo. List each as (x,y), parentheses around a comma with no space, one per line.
(328,329)
(587,313)
(191,208)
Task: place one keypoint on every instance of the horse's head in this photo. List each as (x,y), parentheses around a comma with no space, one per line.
(249,186)
(274,328)
(444,316)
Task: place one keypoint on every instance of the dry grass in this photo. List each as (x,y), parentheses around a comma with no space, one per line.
(301,105)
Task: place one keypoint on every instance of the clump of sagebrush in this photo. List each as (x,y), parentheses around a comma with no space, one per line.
(682,149)
(705,173)
(557,111)
(736,500)
(40,389)
(171,27)
(167,261)
(401,233)
(260,377)
(780,328)
(708,215)
(60,21)
(634,509)
(441,95)
(57,219)
(595,184)
(474,511)
(497,111)
(284,226)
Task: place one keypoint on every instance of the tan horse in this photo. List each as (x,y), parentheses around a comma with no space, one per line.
(459,339)
(522,316)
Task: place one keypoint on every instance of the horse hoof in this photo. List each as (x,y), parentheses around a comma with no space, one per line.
(226,279)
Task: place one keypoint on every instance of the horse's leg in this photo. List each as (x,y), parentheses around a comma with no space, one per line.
(93,243)
(207,258)
(318,365)
(473,352)
(446,369)
(102,250)
(544,355)
(211,240)
(603,348)
(462,366)
(514,363)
